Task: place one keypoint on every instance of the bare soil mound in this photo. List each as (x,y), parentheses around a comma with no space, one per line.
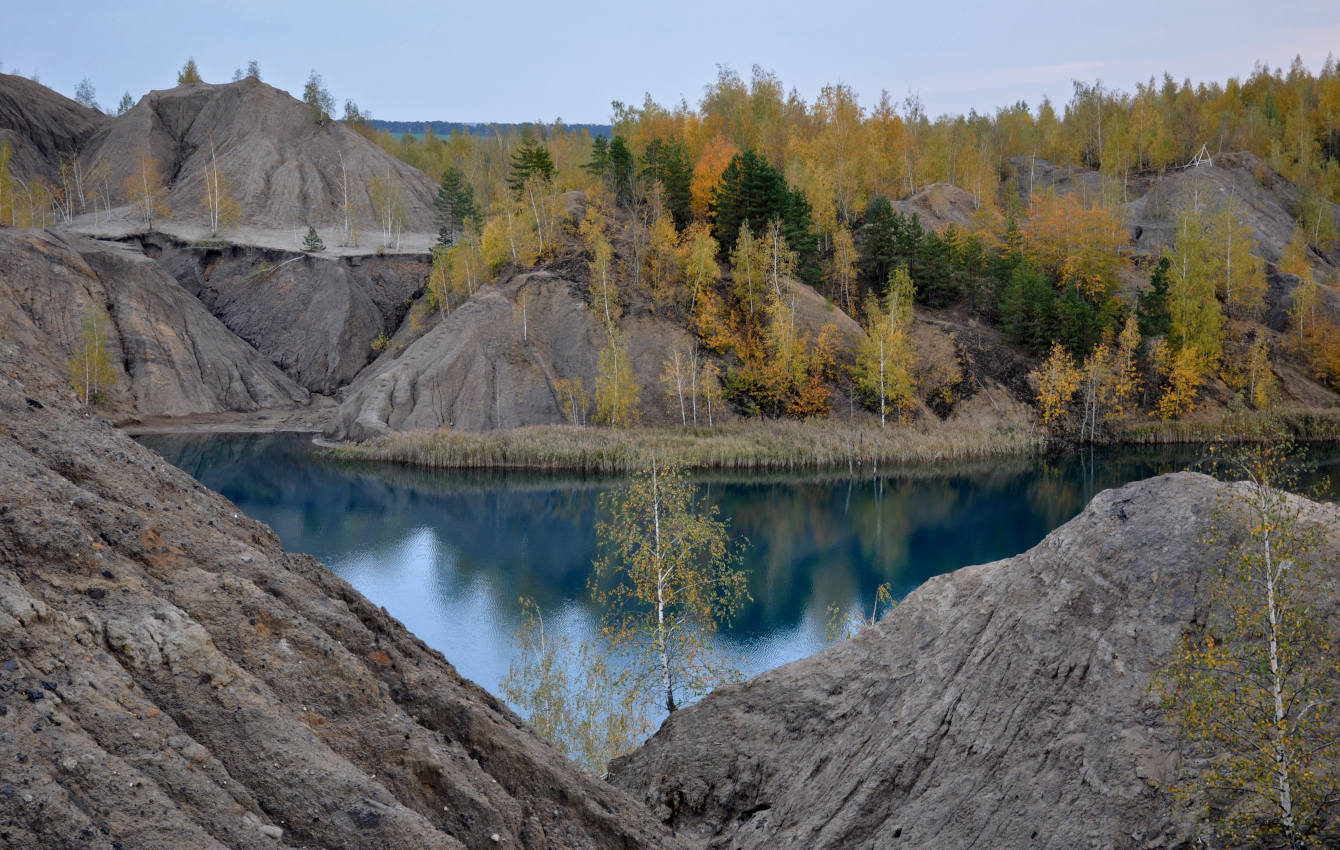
(313,316)
(938,205)
(171,356)
(1004,705)
(495,362)
(42,125)
(170,678)
(282,168)
(1269,203)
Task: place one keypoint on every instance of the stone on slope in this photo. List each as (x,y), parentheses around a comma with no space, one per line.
(171,678)
(1002,705)
(172,356)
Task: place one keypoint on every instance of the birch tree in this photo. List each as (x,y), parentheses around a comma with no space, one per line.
(667,576)
(91,369)
(388,205)
(1254,689)
(884,361)
(221,210)
(700,264)
(144,188)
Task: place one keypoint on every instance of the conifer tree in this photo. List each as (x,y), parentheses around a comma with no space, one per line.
(312,243)
(530,160)
(1152,304)
(455,205)
(188,74)
(620,172)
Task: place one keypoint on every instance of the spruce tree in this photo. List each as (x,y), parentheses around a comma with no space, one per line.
(749,190)
(313,243)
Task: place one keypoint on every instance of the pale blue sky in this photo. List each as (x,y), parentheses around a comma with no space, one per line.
(503,60)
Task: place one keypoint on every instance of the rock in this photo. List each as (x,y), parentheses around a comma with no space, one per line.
(207,685)
(172,356)
(994,705)
(272,831)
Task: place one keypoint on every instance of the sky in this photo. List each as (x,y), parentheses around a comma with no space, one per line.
(509,61)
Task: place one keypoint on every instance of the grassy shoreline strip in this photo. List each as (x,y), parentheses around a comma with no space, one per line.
(1310,426)
(773,445)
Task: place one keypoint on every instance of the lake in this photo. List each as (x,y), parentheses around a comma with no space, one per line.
(450,553)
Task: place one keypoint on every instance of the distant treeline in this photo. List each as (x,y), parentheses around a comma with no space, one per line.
(480,128)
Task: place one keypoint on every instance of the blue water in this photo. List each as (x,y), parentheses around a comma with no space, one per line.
(450,553)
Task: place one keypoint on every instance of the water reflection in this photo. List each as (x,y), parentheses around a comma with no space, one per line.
(449,553)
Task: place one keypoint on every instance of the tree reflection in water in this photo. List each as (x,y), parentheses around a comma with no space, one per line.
(450,553)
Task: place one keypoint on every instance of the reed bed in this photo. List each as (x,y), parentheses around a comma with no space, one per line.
(1312,426)
(748,446)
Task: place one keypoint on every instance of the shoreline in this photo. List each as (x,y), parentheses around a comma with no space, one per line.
(771,445)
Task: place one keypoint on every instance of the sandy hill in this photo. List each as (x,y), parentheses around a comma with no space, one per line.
(282,168)
(42,125)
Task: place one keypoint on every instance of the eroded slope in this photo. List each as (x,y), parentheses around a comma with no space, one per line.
(169,677)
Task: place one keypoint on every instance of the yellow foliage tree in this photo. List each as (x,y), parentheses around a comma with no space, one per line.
(842,271)
(701,272)
(886,357)
(1187,371)
(1058,380)
(707,173)
(1079,245)
(618,396)
(91,371)
(748,268)
(1241,274)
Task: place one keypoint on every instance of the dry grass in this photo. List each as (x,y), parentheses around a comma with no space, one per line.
(770,445)
(1243,427)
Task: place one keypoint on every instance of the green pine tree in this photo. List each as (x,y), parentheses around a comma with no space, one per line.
(312,244)
(620,173)
(668,163)
(530,160)
(455,204)
(600,157)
